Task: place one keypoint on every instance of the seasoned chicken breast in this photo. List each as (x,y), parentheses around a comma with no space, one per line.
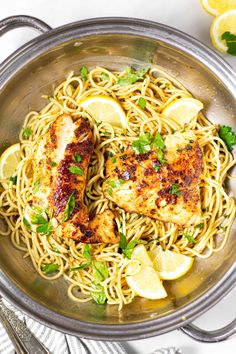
(167,191)
(61,168)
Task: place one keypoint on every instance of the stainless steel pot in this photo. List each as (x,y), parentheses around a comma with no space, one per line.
(34,69)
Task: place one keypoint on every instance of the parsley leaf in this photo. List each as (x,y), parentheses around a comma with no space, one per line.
(26,133)
(54,164)
(160,156)
(36,186)
(116,183)
(86,253)
(83,266)
(174,189)
(230,40)
(100,272)
(84,73)
(156,167)
(142,144)
(142,102)
(13,180)
(199,226)
(70,206)
(98,295)
(26,223)
(104,76)
(228,136)
(132,76)
(50,268)
(110,192)
(38,219)
(127,249)
(77,170)
(189,237)
(158,141)
(77,158)
(45,229)
(113,159)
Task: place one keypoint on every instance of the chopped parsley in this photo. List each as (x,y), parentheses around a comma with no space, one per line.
(84,73)
(127,248)
(174,189)
(116,183)
(26,223)
(100,272)
(110,192)
(113,159)
(228,136)
(26,133)
(104,76)
(132,76)
(199,226)
(142,102)
(87,255)
(77,158)
(230,40)
(70,206)
(156,168)
(50,268)
(142,144)
(36,187)
(13,180)
(123,157)
(77,170)
(189,237)
(160,156)
(54,164)
(98,294)
(158,142)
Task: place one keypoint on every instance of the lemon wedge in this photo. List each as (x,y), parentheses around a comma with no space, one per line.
(217,7)
(183,110)
(105,109)
(9,161)
(142,277)
(170,265)
(221,24)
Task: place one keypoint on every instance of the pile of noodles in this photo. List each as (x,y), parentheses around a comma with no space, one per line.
(158,89)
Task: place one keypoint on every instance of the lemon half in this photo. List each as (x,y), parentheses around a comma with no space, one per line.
(183,110)
(170,265)
(221,24)
(217,7)
(142,277)
(105,109)
(9,161)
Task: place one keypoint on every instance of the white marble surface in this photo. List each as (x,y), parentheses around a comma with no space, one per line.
(186,15)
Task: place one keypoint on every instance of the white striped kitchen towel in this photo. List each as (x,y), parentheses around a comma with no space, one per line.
(59,343)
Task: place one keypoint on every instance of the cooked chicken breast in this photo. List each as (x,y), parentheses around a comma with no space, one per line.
(168,192)
(61,168)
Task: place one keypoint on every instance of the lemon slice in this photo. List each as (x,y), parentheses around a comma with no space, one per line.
(217,7)
(105,109)
(142,277)
(183,110)
(170,265)
(221,24)
(9,161)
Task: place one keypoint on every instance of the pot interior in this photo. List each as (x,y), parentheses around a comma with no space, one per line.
(23,92)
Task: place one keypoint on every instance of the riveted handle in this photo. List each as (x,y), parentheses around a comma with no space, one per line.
(9,23)
(217,335)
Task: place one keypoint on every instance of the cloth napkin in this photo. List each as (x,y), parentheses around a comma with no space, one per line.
(59,343)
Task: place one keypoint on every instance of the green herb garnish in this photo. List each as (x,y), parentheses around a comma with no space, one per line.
(26,133)
(116,183)
(127,248)
(70,206)
(188,147)
(77,170)
(158,142)
(54,164)
(174,189)
(113,159)
(228,136)
(156,168)
(142,102)
(84,73)
(104,76)
(189,237)
(87,255)
(142,144)
(199,226)
(98,295)
(230,40)
(50,268)
(110,192)
(100,272)
(132,76)
(77,158)
(13,180)
(36,187)
(123,157)
(26,223)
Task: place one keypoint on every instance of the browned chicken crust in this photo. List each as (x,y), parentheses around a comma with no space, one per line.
(62,183)
(169,192)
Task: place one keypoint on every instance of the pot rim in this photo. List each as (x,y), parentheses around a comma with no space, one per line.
(194,48)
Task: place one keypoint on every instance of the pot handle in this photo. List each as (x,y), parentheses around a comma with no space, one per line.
(217,335)
(9,23)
